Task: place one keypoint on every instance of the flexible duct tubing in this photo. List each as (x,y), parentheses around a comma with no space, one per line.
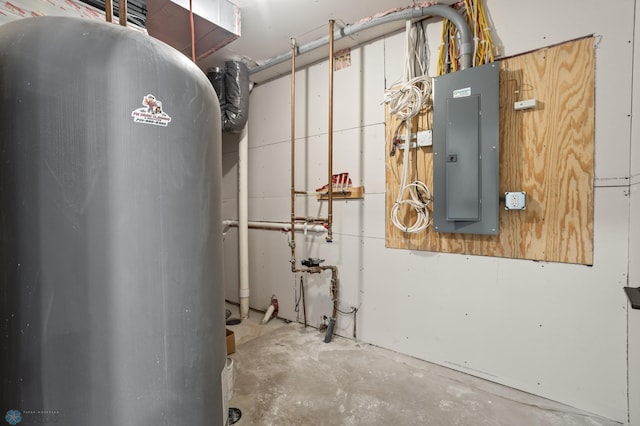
(232,86)
(466,37)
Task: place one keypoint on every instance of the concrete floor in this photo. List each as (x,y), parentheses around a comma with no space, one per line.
(287,376)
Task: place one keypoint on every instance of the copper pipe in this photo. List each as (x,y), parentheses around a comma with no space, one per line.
(329,237)
(311,219)
(193,32)
(292,244)
(123,12)
(334,286)
(334,281)
(108,10)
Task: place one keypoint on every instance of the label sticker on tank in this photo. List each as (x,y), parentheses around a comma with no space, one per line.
(151,113)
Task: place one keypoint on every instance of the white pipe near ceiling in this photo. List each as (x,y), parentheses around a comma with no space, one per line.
(279,226)
(417,12)
(243,220)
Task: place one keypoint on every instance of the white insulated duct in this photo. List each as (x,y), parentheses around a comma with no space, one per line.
(232,86)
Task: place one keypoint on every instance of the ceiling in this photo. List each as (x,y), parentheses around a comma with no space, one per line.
(268,25)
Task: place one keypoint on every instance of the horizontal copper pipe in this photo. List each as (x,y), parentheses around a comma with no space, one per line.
(311,219)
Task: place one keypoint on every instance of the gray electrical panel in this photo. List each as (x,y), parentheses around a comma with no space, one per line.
(466,151)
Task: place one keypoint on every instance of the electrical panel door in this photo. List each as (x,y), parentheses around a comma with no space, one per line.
(466,150)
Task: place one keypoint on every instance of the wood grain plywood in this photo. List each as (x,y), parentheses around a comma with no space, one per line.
(548,152)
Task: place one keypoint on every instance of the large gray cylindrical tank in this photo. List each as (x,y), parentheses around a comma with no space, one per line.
(111,300)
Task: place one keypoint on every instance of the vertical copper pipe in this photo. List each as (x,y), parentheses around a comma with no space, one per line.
(193,39)
(108,10)
(123,12)
(330,131)
(293,154)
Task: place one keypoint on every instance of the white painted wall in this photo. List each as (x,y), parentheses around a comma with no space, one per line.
(555,330)
(230,210)
(634,314)
(634,237)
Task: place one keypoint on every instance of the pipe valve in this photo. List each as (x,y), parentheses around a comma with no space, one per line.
(312,262)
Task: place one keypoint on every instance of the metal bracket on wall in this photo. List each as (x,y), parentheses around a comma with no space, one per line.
(352,193)
(633,293)
(421,139)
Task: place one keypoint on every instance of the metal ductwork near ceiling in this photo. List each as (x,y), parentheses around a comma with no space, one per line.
(216,24)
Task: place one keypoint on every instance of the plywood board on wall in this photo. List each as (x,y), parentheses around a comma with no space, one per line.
(548,152)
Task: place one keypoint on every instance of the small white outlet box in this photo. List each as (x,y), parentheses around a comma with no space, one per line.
(515,200)
(424,138)
(528,104)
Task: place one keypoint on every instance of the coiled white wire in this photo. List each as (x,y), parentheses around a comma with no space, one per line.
(420,208)
(406,103)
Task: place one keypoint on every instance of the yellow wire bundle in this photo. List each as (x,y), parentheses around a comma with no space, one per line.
(448,59)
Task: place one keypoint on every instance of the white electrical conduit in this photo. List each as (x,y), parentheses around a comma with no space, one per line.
(243,221)
(279,226)
(466,37)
